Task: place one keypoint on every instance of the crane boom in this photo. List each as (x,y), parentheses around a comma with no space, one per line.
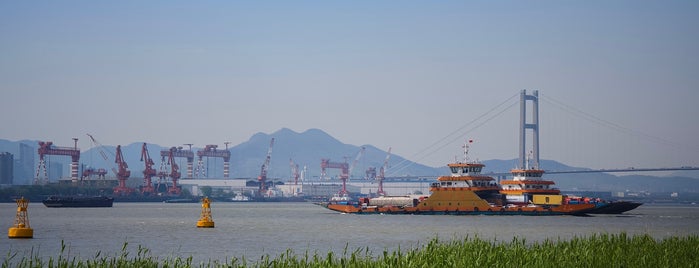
(263,170)
(382,173)
(122,175)
(149,172)
(101,151)
(356,160)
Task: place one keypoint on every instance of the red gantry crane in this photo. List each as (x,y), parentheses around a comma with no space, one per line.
(262,179)
(211,151)
(180,152)
(344,170)
(122,175)
(148,173)
(47,148)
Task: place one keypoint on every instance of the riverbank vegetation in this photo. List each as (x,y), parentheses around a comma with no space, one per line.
(604,250)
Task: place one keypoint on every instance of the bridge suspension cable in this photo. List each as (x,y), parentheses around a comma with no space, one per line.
(452,136)
(613,126)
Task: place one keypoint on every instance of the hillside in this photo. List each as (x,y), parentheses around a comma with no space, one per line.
(307,148)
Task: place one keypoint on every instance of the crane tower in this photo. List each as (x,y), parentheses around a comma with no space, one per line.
(211,151)
(180,152)
(149,172)
(382,173)
(262,179)
(122,175)
(47,148)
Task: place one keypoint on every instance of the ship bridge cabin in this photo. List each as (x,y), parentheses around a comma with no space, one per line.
(465,175)
(465,169)
(527,174)
(529,180)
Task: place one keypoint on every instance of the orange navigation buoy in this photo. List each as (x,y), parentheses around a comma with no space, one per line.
(21,228)
(205,221)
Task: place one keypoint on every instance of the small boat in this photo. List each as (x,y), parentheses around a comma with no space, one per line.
(78,201)
(181,200)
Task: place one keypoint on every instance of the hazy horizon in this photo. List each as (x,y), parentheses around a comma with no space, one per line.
(617,80)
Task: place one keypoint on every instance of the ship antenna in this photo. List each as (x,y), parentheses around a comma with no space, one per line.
(466,150)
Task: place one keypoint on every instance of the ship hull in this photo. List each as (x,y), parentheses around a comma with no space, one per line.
(616,207)
(577,209)
(454,202)
(78,202)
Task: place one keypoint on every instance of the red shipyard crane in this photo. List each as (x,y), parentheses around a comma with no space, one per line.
(174,172)
(122,175)
(179,152)
(148,173)
(262,179)
(211,151)
(47,148)
(294,171)
(344,170)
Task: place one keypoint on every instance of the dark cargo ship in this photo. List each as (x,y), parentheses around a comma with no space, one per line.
(78,201)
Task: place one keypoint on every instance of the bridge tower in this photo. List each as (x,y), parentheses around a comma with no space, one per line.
(534,126)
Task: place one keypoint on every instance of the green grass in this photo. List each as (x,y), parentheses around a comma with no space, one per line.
(604,250)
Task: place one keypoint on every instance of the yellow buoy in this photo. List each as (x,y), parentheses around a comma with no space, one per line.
(21,228)
(205,221)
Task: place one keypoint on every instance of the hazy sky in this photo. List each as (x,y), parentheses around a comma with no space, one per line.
(619,80)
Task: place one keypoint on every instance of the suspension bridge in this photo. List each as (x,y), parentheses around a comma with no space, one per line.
(529,124)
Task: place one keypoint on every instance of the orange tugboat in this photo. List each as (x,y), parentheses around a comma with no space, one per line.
(464,192)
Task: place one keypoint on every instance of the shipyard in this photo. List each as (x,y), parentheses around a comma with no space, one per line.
(349,134)
(179,178)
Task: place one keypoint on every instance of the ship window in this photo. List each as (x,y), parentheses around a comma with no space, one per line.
(454,169)
(448,183)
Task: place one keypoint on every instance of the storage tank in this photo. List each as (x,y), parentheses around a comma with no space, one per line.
(403,201)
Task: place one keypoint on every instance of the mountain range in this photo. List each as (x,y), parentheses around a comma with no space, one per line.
(308,148)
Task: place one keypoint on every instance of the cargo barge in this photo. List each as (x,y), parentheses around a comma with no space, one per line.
(78,201)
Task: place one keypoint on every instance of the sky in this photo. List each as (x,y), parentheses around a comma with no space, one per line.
(618,80)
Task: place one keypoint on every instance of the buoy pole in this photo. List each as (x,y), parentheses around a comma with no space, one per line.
(205,221)
(21,228)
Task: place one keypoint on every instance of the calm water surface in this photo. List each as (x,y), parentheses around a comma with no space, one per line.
(255,229)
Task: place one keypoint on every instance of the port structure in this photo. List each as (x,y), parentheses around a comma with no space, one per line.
(344,167)
(382,173)
(523,126)
(294,171)
(101,173)
(212,151)
(47,148)
(181,153)
(122,174)
(174,173)
(262,178)
(90,172)
(148,173)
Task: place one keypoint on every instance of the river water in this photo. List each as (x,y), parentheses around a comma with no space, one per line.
(256,229)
